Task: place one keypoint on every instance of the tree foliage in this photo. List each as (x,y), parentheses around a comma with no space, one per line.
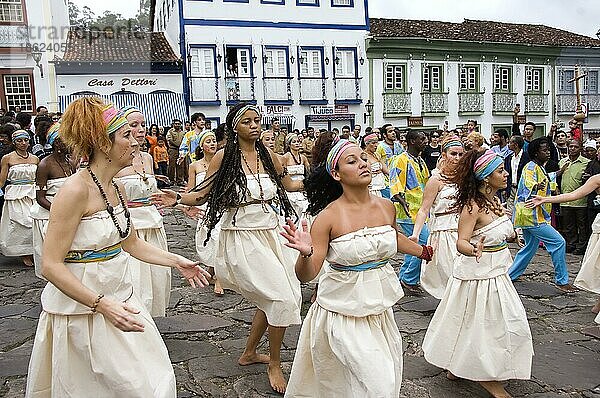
(85,18)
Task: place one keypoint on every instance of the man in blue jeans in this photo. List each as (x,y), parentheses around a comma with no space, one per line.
(535,222)
(408,176)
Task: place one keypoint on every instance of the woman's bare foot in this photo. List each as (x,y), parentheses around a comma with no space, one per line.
(27,260)
(451,376)
(249,359)
(596,307)
(278,383)
(218,288)
(495,388)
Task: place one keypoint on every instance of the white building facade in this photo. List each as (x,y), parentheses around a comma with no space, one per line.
(32,33)
(308,73)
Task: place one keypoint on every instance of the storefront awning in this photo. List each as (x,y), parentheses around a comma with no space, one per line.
(159,107)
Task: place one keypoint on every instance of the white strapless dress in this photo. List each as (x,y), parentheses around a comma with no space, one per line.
(297,199)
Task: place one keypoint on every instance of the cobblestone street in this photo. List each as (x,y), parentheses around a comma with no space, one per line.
(205,335)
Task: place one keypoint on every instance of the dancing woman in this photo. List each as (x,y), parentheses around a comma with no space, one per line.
(241,185)
(87,340)
(439,198)
(349,345)
(205,151)
(152,282)
(297,166)
(479,331)
(18,168)
(379,170)
(51,174)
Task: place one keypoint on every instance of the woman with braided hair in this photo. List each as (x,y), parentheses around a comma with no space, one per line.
(241,185)
(349,345)
(297,166)
(479,331)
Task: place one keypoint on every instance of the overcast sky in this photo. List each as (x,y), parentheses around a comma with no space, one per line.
(581,16)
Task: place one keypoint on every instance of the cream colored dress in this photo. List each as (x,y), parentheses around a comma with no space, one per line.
(80,354)
(479,331)
(349,345)
(152,282)
(206,253)
(377,179)
(297,199)
(251,259)
(40,216)
(443,234)
(588,277)
(16,228)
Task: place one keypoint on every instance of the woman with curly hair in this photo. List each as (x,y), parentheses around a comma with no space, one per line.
(89,339)
(479,331)
(243,181)
(349,345)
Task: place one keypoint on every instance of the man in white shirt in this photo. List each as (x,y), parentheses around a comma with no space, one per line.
(514,164)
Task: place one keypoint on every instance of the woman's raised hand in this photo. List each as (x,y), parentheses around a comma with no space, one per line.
(192,272)
(164,198)
(478,248)
(298,239)
(535,201)
(121,315)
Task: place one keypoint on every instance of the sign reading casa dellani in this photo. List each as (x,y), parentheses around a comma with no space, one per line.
(125,81)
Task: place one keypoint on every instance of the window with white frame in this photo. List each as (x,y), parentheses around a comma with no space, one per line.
(395,77)
(432,78)
(342,3)
(503,79)
(203,62)
(311,65)
(345,64)
(276,62)
(590,84)
(533,80)
(11,11)
(565,83)
(17,92)
(469,78)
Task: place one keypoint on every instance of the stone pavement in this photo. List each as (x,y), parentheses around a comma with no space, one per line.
(205,335)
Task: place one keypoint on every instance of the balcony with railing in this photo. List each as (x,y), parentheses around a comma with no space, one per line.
(312,90)
(240,89)
(396,104)
(204,90)
(347,90)
(567,103)
(536,104)
(470,103)
(278,90)
(434,104)
(503,103)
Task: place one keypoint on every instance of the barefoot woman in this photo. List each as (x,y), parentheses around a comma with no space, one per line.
(241,185)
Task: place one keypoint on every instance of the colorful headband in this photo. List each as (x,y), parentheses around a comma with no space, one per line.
(52,133)
(240,113)
(372,137)
(336,152)
(20,134)
(206,135)
(289,138)
(450,142)
(486,164)
(129,109)
(113,119)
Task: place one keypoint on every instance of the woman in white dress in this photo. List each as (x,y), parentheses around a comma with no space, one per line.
(588,277)
(241,186)
(479,331)
(152,282)
(379,170)
(16,229)
(207,147)
(349,345)
(438,204)
(88,340)
(51,174)
(297,166)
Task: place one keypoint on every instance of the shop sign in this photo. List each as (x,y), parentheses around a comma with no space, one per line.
(414,121)
(329,109)
(123,82)
(275,109)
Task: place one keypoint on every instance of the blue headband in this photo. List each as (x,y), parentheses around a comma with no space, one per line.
(335,153)
(486,164)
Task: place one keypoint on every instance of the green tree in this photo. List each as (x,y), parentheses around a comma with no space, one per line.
(85,18)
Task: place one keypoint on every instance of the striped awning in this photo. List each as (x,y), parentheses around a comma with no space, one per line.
(159,107)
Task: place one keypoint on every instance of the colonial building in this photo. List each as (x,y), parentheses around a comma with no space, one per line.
(125,68)
(427,73)
(32,33)
(302,61)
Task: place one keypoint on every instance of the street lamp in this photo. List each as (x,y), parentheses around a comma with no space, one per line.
(37,57)
(369,109)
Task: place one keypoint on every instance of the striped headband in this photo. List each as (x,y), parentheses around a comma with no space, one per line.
(19,134)
(289,138)
(206,135)
(129,109)
(113,119)
(52,133)
(240,113)
(372,137)
(486,164)
(450,142)
(335,153)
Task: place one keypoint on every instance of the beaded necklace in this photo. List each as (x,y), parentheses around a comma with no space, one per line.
(257,176)
(109,208)
(144,176)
